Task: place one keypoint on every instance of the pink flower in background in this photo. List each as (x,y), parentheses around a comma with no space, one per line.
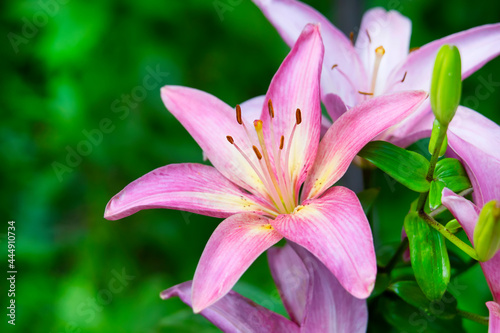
(313,298)
(271,178)
(379,62)
(467,215)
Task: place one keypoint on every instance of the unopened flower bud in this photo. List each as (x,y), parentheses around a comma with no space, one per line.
(453,226)
(487,231)
(446,85)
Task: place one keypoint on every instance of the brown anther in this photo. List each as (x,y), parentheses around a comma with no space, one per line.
(334,66)
(351,37)
(368,34)
(298,116)
(414,49)
(271,109)
(380,50)
(365,93)
(257,152)
(238,114)
(230,139)
(282,142)
(404,77)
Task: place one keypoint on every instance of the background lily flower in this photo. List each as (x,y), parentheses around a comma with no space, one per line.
(313,298)
(379,62)
(259,171)
(467,214)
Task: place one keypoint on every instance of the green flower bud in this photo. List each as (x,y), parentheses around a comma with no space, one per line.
(453,226)
(436,127)
(446,85)
(487,231)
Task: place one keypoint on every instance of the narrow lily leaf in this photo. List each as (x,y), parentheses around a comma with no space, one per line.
(410,292)
(452,173)
(429,257)
(407,318)
(407,167)
(383,281)
(437,187)
(367,198)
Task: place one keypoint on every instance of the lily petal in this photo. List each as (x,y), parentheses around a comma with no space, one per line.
(289,17)
(330,308)
(351,132)
(291,278)
(209,121)
(464,211)
(234,313)
(477,46)
(334,228)
(494,324)
(417,126)
(192,187)
(467,214)
(296,85)
(334,106)
(388,29)
(232,248)
(480,154)
(252,109)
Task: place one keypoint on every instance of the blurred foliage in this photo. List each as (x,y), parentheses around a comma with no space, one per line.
(69,67)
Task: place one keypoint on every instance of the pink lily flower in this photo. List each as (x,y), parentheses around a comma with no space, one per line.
(258,174)
(475,140)
(467,214)
(313,298)
(379,62)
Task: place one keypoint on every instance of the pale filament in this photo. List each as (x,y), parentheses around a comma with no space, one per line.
(379,53)
(277,181)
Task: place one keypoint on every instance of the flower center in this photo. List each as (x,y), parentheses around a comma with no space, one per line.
(273,159)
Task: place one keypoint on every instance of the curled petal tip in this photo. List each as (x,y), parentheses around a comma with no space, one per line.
(165,295)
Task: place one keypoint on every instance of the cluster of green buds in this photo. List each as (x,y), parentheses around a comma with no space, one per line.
(487,231)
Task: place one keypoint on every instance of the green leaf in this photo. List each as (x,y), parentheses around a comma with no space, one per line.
(429,257)
(407,318)
(435,191)
(367,198)
(407,167)
(410,292)
(381,283)
(452,173)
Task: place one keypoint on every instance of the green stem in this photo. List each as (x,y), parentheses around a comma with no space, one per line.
(474,317)
(432,166)
(435,153)
(449,235)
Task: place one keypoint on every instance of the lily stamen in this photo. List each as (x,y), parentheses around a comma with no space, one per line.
(273,173)
(365,93)
(379,53)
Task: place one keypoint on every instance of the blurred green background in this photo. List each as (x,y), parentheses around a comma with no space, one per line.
(66,67)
